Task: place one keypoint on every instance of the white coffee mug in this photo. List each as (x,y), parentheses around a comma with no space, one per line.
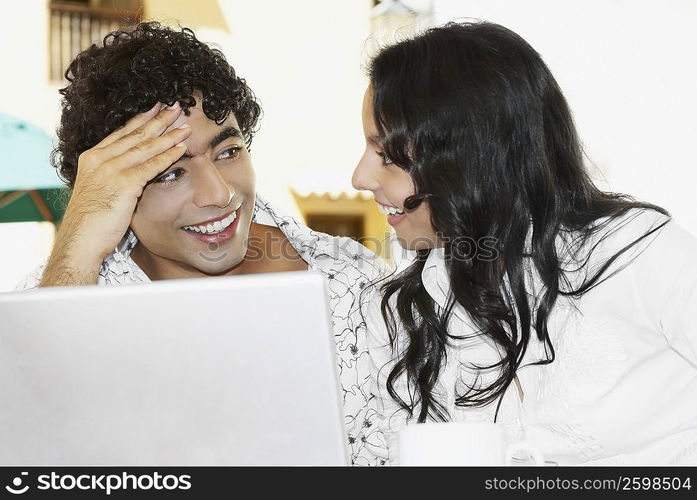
(460,443)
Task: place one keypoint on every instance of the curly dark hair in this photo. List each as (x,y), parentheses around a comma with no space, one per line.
(133,70)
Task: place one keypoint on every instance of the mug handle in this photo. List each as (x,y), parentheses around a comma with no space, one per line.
(532,452)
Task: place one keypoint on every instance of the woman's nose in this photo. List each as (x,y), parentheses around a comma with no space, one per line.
(364,177)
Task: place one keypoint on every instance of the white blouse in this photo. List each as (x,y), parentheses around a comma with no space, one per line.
(349,267)
(623,386)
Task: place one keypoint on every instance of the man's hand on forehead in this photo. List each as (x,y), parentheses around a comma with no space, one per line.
(111,177)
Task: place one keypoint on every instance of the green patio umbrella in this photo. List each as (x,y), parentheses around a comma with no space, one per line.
(30,189)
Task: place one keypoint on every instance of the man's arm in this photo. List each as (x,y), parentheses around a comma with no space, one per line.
(70,263)
(110,178)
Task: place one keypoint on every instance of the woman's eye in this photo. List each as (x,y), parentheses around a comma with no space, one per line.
(229,153)
(169,177)
(386,160)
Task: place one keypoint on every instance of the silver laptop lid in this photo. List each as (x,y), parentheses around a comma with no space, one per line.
(211,371)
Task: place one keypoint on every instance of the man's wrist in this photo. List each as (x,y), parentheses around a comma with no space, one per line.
(72,264)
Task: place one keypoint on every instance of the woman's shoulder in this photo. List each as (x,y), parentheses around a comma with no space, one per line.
(645,246)
(615,240)
(648,236)
(670,255)
(676,242)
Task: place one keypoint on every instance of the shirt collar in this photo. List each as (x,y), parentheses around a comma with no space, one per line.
(435,278)
(436,281)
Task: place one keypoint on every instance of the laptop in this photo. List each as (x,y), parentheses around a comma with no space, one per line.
(210,371)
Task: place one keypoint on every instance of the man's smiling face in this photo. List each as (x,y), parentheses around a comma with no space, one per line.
(194,218)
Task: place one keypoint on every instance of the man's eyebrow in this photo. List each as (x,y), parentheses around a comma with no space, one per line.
(224,134)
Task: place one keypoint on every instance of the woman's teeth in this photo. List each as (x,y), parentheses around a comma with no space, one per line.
(390,210)
(214,227)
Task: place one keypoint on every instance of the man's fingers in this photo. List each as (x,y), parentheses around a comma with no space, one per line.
(144,151)
(147,171)
(132,124)
(151,129)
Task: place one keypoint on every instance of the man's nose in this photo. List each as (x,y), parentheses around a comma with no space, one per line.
(211,189)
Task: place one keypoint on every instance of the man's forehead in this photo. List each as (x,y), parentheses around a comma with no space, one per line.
(199,122)
(206,134)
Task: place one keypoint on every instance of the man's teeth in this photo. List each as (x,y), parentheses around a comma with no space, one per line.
(214,227)
(390,210)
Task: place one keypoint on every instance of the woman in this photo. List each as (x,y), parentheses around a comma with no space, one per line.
(535,299)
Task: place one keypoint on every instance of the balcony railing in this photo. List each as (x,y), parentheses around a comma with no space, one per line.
(75,27)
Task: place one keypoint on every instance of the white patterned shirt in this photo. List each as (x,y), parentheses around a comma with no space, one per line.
(623,386)
(349,267)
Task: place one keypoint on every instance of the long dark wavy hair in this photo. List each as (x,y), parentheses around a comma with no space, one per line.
(130,71)
(476,118)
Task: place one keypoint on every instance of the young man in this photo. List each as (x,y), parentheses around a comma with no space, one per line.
(154,142)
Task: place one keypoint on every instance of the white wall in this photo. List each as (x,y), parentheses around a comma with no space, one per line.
(26,94)
(303,60)
(24,87)
(629,71)
(24,246)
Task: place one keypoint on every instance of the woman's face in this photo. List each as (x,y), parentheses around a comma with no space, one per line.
(194,218)
(391,185)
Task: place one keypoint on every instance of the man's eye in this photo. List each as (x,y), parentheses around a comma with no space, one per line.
(169,177)
(229,153)
(386,160)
